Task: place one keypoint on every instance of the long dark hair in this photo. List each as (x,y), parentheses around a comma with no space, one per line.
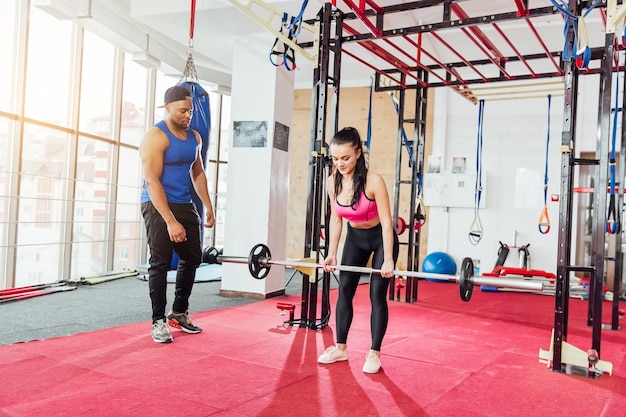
(350,136)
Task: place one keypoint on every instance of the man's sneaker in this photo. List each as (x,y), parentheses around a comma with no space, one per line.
(372,363)
(333,354)
(183,322)
(161,332)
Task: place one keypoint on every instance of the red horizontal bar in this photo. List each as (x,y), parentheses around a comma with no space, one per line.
(476,31)
(431,56)
(543,45)
(521,9)
(520,56)
(591,190)
(465,61)
(367,64)
(360,13)
(385,55)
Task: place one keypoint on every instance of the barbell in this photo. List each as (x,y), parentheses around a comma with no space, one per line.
(260,260)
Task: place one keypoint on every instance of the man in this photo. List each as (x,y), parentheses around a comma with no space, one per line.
(170,156)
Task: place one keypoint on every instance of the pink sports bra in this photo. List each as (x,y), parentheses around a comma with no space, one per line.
(364,210)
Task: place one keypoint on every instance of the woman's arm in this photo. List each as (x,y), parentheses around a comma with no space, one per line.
(334,228)
(381,196)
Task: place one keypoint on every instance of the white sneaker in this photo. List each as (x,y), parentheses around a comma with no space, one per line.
(333,354)
(161,332)
(372,363)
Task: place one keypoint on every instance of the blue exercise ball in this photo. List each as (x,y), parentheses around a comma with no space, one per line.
(439,263)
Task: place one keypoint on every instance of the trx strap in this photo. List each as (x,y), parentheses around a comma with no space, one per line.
(476,228)
(544,219)
(581,38)
(286,53)
(613,217)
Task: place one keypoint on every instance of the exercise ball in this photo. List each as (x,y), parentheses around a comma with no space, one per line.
(439,263)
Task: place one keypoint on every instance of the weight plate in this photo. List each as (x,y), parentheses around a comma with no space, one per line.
(257,261)
(466,285)
(210,254)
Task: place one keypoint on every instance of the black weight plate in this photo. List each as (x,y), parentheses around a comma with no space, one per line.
(257,261)
(466,285)
(210,254)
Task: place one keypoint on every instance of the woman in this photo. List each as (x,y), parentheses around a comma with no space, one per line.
(359,196)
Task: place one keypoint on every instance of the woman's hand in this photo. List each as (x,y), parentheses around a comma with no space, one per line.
(387,270)
(329,263)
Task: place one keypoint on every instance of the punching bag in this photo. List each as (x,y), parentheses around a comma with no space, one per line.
(201,123)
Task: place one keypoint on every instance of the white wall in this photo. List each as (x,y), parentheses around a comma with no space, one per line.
(513,157)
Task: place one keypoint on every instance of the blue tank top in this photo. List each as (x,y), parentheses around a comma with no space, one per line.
(177,161)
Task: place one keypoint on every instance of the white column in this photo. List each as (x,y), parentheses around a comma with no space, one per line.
(258,167)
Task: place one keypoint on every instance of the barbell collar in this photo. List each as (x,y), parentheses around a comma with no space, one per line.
(232,259)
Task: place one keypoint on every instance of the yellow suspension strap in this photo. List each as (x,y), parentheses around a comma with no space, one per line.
(476,228)
(544,219)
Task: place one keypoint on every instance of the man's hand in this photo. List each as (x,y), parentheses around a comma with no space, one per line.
(210,219)
(177,232)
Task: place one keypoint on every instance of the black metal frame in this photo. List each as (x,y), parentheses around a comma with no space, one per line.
(317,204)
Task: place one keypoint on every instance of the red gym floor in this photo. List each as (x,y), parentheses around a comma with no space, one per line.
(441,357)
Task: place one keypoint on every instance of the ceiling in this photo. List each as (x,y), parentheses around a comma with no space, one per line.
(157,32)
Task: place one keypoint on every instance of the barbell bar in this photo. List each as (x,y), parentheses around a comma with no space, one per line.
(260,260)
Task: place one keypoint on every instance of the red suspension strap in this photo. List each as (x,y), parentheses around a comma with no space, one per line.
(192,21)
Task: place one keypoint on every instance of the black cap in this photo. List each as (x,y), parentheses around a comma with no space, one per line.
(176,93)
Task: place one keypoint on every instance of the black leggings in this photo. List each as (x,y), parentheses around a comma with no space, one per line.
(359,245)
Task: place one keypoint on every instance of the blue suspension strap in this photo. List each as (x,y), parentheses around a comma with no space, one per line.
(281,53)
(292,28)
(368,140)
(544,219)
(476,228)
(419,219)
(613,217)
(581,38)
(405,140)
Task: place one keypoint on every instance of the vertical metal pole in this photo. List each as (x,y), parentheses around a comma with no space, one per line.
(599,209)
(419,143)
(398,174)
(617,280)
(566,203)
(316,201)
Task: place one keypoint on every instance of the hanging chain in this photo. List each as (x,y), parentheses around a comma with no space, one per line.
(190,73)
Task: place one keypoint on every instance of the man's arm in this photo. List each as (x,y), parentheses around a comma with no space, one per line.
(198,178)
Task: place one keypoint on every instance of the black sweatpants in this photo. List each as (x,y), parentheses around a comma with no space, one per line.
(161,252)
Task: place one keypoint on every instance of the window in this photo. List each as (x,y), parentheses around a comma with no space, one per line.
(43,184)
(133,102)
(124,253)
(49,58)
(7,52)
(96,88)
(90,212)
(79,178)
(128,222)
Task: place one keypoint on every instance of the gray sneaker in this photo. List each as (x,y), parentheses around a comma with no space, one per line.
(161,332)
(183,322)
